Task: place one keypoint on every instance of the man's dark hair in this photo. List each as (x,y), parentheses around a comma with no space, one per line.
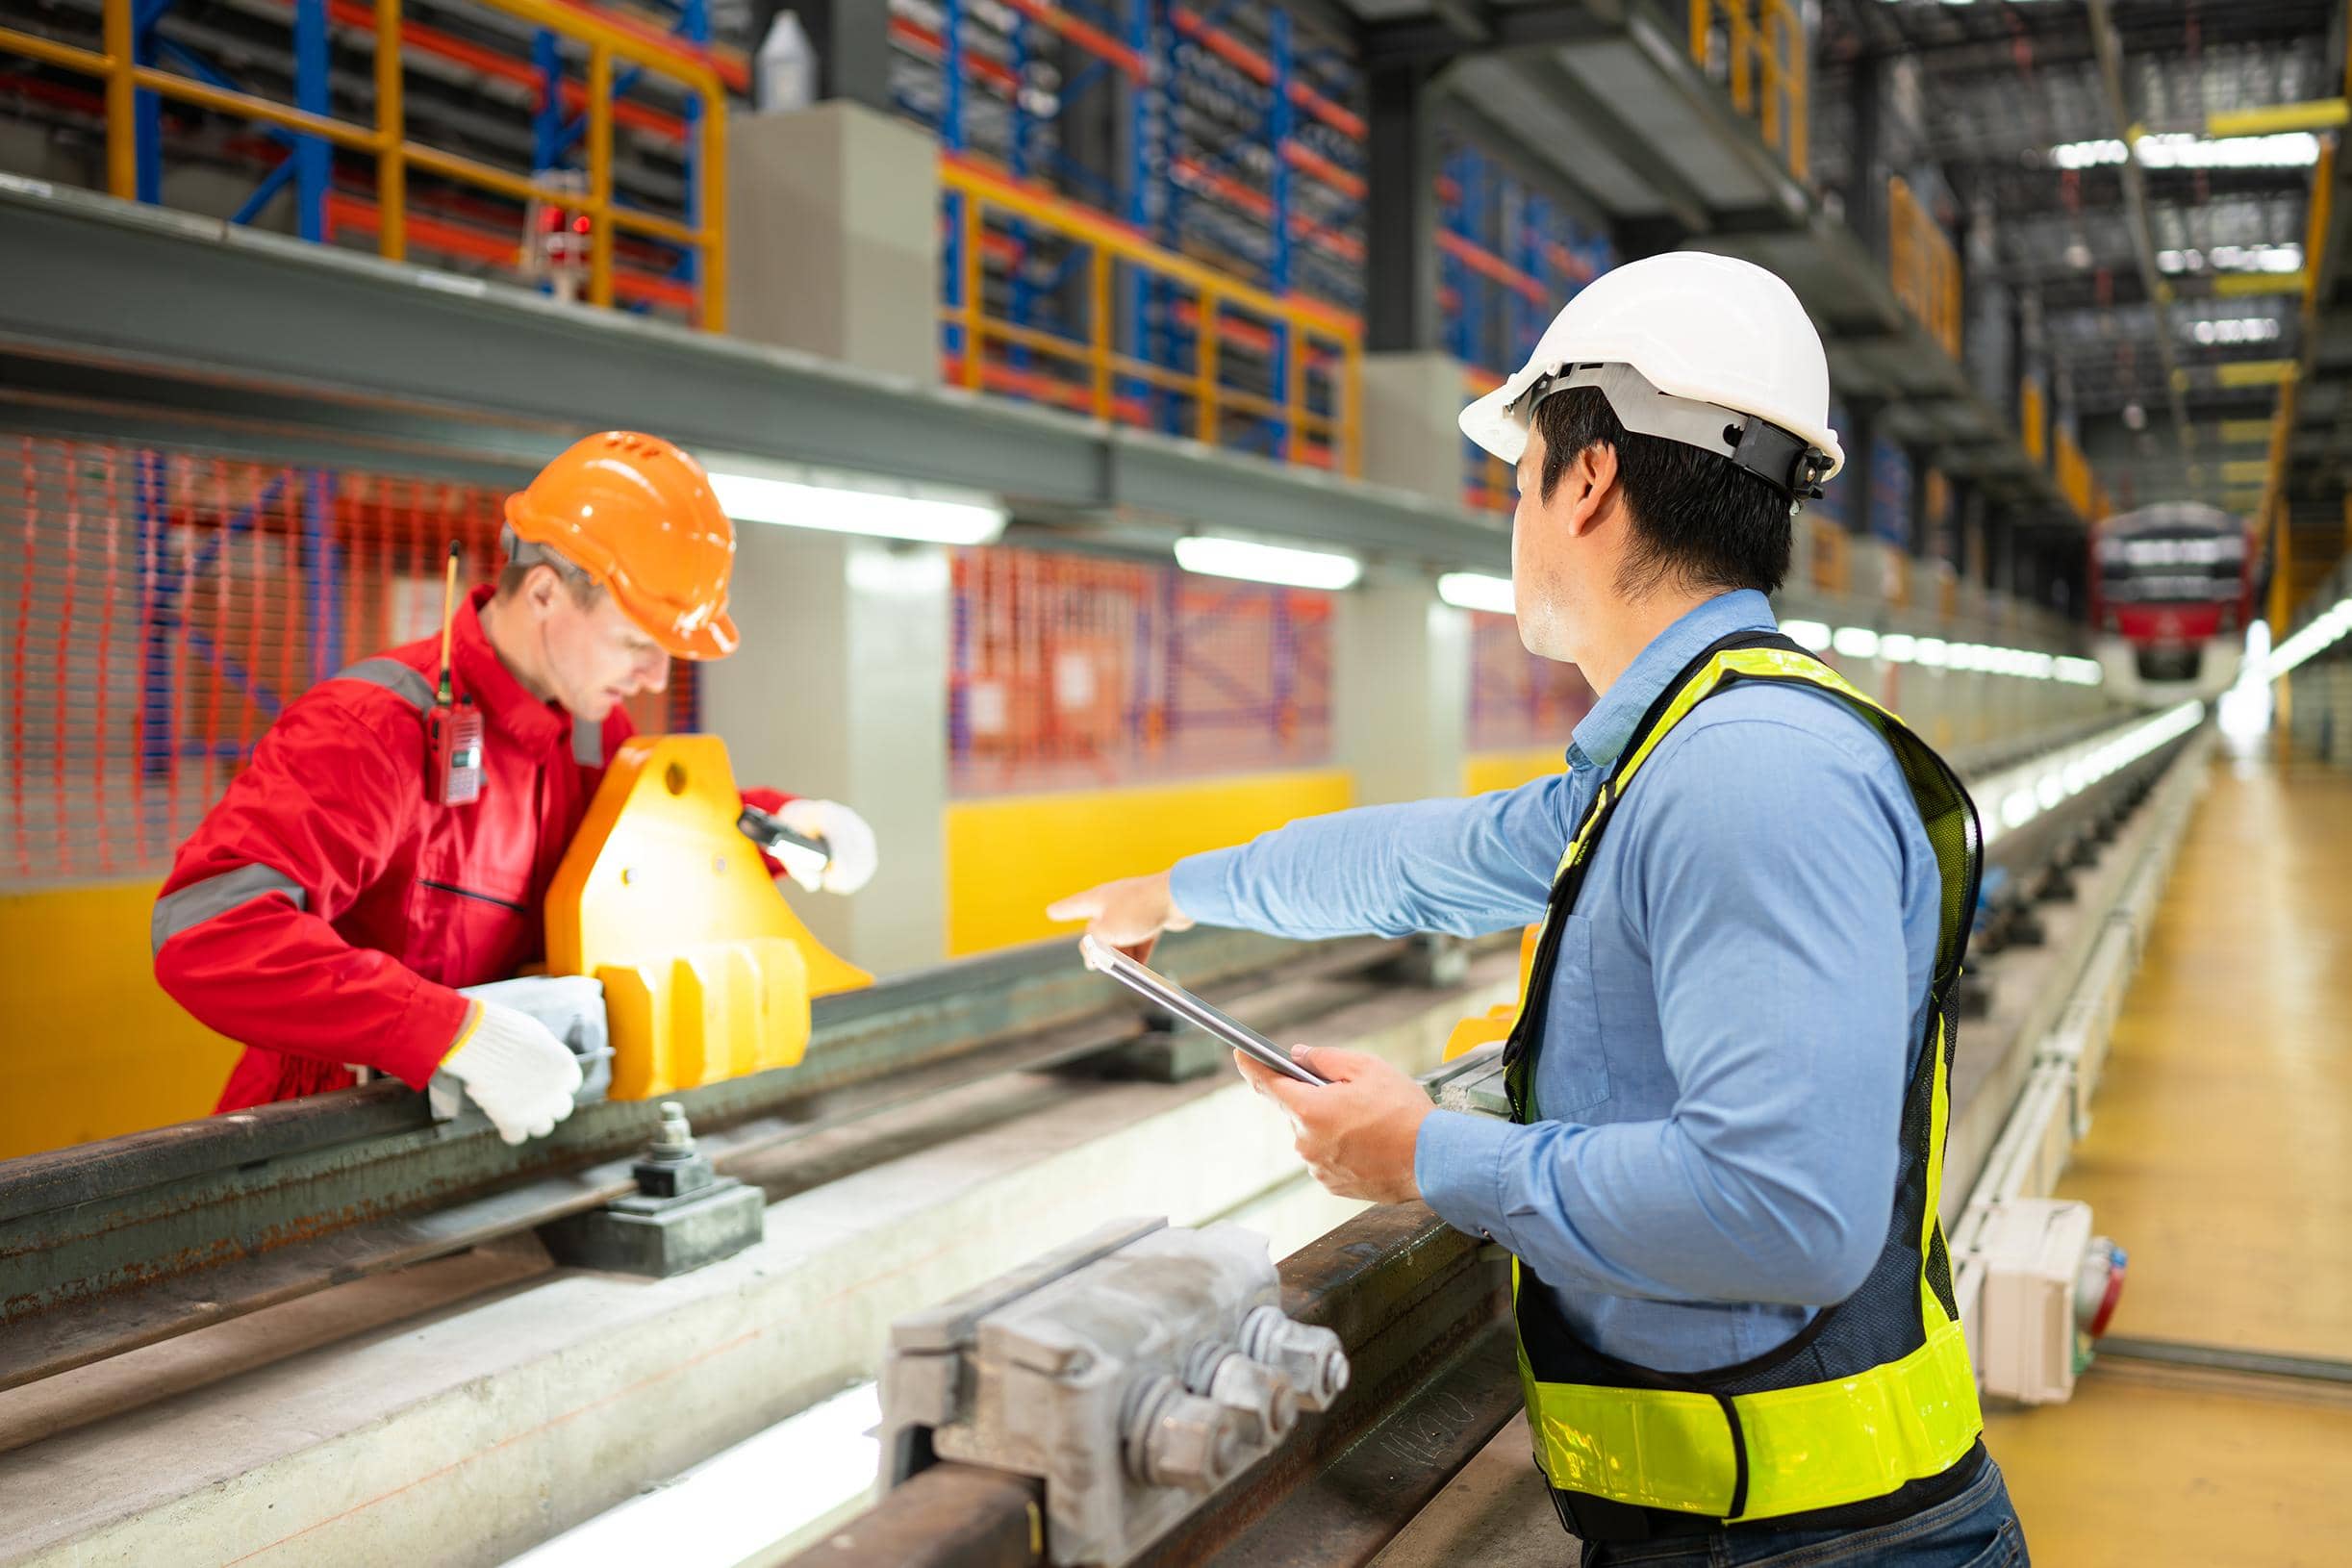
(1700,521)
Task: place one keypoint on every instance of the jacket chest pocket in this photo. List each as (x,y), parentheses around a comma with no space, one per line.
(1572,1074)
(470,915)
(461,936)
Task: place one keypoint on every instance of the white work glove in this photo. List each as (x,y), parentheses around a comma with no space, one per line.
(515,1068)
(847,840)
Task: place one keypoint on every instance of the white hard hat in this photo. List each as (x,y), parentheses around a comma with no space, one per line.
(1703,337)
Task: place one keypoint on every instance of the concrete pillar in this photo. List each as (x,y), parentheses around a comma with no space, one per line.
(1411,441)
(1400,689)
(833,237)
(841,691)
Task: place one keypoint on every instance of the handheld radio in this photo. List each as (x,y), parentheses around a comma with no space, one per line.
(453,771)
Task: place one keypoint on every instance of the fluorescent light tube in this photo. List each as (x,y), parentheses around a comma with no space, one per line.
(1220,557)
(1476,591)
(879,514)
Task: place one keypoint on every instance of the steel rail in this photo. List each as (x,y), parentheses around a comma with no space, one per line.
(124,1241)
(115,1244)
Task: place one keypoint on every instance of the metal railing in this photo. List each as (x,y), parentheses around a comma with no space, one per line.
(1923,265)
(1289,333)
(703,234)
(1766,61)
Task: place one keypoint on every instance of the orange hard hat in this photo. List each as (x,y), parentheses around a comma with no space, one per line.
(637,514)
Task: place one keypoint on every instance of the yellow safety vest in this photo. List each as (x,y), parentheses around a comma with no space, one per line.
(1874,1393)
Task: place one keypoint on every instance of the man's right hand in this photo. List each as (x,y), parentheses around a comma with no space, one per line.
(1128,914)
(515,1068)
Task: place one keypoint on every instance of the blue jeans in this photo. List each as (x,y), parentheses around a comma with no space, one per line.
(1976,1529)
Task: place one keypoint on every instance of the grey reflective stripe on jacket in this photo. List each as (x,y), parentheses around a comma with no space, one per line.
(587,744)
(401,680)
(216,895)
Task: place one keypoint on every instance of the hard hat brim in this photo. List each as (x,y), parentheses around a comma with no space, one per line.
(714,638)
(1490,423)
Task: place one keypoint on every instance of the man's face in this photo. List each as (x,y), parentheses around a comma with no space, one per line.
(1538,551)
(1563,552)
(597,656)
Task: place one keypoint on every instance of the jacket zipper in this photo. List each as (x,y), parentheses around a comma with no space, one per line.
(468,893)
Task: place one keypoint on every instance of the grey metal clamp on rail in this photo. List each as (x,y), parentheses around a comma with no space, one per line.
(1165,1351)
(683,1214)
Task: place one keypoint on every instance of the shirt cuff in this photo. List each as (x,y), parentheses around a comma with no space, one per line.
(1457,1164)
(1198,884)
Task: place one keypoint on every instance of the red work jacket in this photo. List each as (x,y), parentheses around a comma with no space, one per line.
(325,912)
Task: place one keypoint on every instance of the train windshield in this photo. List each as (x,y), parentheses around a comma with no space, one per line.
(2169,566)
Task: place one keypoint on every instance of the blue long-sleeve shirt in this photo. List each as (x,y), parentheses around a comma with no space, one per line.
(1737,1003)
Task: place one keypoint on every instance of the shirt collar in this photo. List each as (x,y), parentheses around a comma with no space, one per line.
(1602,736)
(506,704)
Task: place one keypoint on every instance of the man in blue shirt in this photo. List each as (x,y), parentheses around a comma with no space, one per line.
(1743,990)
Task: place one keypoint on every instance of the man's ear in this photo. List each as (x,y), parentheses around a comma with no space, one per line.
(540,589)
(1589,485)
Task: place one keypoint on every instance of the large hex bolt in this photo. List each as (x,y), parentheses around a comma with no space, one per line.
(671,1167)
(1262,1395)
(1174,1438)
(1311,1358)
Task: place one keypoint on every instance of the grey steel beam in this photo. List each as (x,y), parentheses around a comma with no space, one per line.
(1622,142)
(1513,150)
(268,347)
(1182,480)
(1460,28)
(2136,201)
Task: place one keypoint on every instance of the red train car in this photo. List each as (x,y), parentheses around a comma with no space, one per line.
(2171,595)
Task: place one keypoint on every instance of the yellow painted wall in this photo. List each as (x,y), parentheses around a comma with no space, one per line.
(1485,771)
(94,1046)
(1008,858)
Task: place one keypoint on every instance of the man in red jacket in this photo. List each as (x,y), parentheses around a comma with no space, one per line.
(327,910)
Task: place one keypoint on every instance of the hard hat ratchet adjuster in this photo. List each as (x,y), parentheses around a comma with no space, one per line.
(1787,462)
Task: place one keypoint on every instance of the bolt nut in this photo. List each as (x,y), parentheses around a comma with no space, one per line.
(1264,1395)
(1180,1439)
(1311,1359)
(675,1139)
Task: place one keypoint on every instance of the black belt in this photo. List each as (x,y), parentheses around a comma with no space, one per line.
(1608,1522)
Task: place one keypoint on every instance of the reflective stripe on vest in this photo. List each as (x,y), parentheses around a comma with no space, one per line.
(1809,1445)
(1742,1444)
